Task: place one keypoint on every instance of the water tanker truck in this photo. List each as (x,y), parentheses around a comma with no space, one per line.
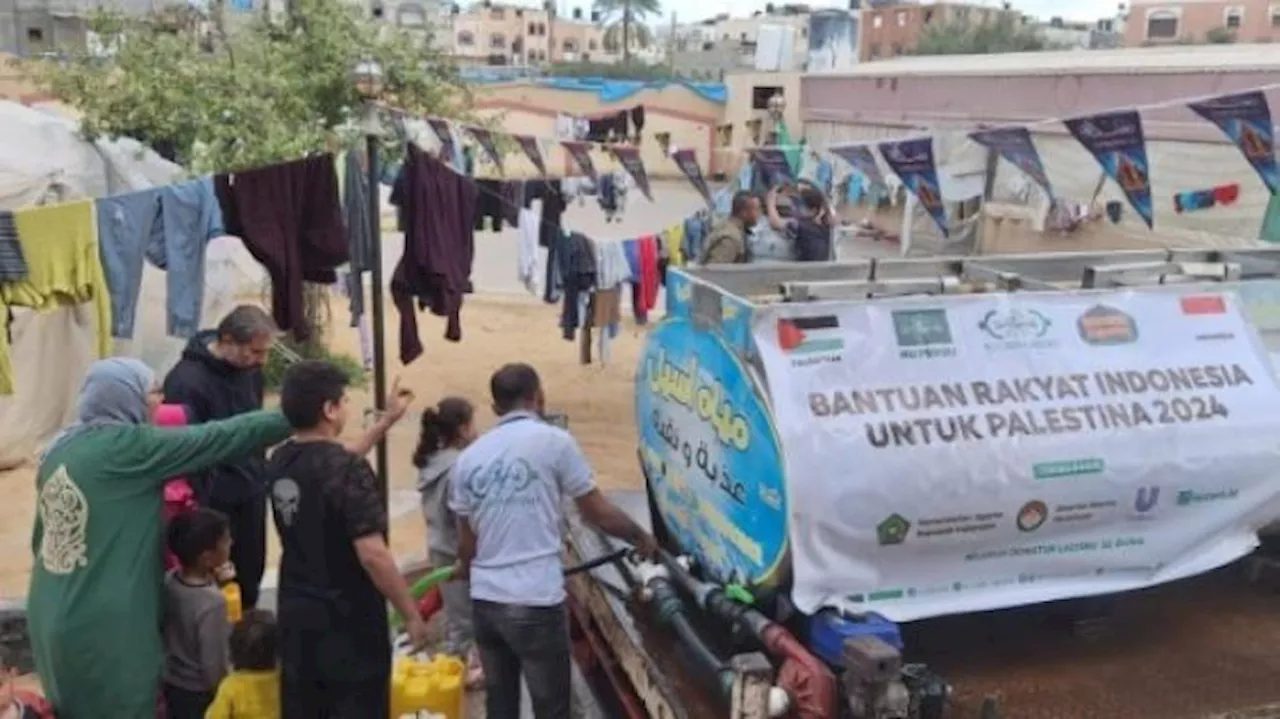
(833,450)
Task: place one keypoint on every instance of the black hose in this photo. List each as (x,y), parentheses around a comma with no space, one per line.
(600,561)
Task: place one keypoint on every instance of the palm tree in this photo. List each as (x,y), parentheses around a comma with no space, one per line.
(626,18)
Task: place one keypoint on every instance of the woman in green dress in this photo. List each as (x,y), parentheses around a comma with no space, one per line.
(94,605)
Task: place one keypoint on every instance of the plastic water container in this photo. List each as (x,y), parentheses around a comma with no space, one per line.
(235,605)
(829,628)
(433,686)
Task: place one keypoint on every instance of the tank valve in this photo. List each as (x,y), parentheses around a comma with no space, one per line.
(646,573)
(779,702)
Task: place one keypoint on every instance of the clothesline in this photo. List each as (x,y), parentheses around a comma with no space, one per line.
(1046,122)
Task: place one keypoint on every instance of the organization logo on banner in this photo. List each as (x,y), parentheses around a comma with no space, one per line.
(893,530)
(1032,516)
(815,338)
(1068,468)
(923,334)
(1146,499)
(1017,329)
(1245,119)
(1103,326)
(1116,141)
(1192,497)
(1203,305)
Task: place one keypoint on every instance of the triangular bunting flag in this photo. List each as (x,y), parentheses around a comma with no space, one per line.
(629,158)
(1015,145)
(912,161)
(581,154)
(485,139)
(862,160)
(444,133)
(530,147)
(687,161)
(1246,119)
(1116,140)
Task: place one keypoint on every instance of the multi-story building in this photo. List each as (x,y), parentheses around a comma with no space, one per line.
(1101,34)
(722,44)
(496,34)
(891,29)
(1156,22)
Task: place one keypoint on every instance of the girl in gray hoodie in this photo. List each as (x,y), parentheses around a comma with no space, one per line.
(446,430)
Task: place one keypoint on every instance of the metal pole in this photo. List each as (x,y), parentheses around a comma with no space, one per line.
(379,319)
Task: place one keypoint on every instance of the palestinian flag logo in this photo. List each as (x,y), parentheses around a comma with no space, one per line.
(810,335)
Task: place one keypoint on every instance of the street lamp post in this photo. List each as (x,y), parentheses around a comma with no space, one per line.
(368,81)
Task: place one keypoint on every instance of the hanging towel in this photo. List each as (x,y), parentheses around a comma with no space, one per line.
(60,246)
(12,265)
(489,201)
(439,247)
(169,226)
(576,255)
(527,258)
(289,218)
(648,271)
(612,268)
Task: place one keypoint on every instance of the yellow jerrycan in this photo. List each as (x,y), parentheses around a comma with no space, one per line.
(434,686)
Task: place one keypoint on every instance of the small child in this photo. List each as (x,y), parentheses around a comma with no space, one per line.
(15,703)
(195,613)
(252,689)
(446,430)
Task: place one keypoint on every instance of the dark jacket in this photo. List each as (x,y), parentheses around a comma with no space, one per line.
(212,389)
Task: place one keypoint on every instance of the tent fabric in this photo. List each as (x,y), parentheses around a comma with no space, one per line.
(43,159)
(611,91)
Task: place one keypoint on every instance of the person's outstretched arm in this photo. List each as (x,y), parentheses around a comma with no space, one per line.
(157,453)
(577,481)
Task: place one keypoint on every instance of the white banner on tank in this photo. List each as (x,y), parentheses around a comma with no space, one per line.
(989,451)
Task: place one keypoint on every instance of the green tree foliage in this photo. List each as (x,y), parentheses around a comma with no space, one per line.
(625,26)
(264,93)
(960,38)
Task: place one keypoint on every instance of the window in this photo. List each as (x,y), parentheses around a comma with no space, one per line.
(877,20)
(570,45)
(928,16)
(35,34)
(498,41)
(1162,25)
(874,52)
(496,14)
(742,36)
(1233,18)
(533,28)
(902,18)
(760,95)
(591,45)
(895,50)
(1275,17)
(466,39)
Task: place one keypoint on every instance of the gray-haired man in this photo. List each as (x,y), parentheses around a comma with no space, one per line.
(220,376)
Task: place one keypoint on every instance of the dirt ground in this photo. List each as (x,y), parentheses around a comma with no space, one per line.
(597,398)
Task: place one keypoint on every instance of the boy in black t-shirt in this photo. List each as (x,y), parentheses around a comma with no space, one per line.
(336,571)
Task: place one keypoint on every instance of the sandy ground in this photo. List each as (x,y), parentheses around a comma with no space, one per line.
(598,400)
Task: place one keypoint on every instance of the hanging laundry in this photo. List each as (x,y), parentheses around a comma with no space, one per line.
(1193,201)
(647,289)
(439,246)
(289,218)
(696,227)
(576,256)
(554,202)
(673,240)
(489,205)
(170,226)
(612,268)
(360,235)
(512,201)
(608,196)
(631,249)
(12,265)
(637,121)
(1226,194)
(527,257)
(604,313)
(59,246)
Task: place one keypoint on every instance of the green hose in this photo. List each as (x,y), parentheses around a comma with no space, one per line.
(420,589)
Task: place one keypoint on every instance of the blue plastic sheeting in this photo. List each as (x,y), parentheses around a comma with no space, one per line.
(611,91)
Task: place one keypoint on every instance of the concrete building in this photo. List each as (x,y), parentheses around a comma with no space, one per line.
(1098,35)
(1157,22)
(890,30)
(711,48)
(497,34)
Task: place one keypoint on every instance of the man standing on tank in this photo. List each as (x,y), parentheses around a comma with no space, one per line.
(220,376)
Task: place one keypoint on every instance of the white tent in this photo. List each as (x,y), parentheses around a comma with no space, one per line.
(42,160)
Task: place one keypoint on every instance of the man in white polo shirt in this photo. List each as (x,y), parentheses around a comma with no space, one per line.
(508,491)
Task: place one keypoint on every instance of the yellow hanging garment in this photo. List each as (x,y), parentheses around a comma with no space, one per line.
(60,246)
(673,239)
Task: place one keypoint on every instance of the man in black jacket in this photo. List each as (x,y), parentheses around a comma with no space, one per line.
(220,376)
